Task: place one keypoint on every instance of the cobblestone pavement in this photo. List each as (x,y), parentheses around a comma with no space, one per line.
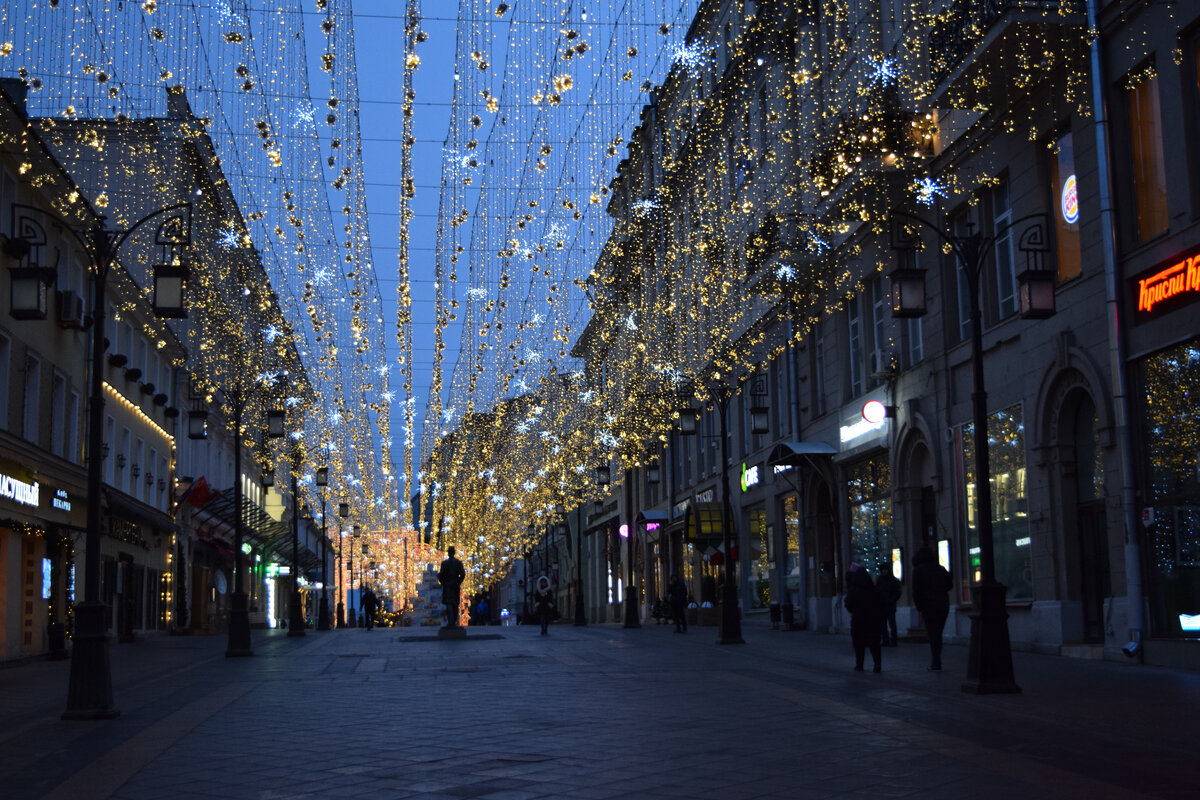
(592,712)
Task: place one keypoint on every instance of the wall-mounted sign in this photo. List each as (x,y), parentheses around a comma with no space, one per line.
(61,500)
(750,477)
(18,491)
(1070,201)
(864,422)
(1167,287)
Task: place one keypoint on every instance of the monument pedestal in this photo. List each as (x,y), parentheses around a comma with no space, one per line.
(446,632)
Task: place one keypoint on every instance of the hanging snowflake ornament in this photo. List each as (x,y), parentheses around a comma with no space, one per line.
(271,333)
(557,231)
(477,293)
(884,71)
(448,414)
(292,402)
(631,322)
(689,56)
(322,276)
(303,115)
(644,207)
(537,319)
(228,239)
(785,272)
(927,188)
(816,244)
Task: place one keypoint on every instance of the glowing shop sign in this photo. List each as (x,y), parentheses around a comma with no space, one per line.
(861,428)
(61,500)
(1070,201)
(874,412)
(750,477)
(1175,281)
(24,493)
(1189,622)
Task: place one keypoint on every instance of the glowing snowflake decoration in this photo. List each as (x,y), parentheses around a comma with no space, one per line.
(272,333)
(529,486)
(267,378)
(537,319)
(292,402)
(228,239)
(690,56)
(672,374)
(644,207)
(436,491)
(489,474)
(521,385)
(387,396)
(303,115)
(322,276)
(225,12)
(448,414)
(331,447)
(383,369)
(580,469)
(587,396)
(884,71)
(297,435)
(607,439)
(523,426)
(631,322)
(498,501)
(557,231)
(538,410)
(532,356)
(927,189)
(577,375)
(548,436)
(335,417)
(817,245)
(477,293)
(785,272)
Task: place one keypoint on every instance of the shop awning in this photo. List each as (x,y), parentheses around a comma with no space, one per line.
(793,454)
(652,523)
(704,522)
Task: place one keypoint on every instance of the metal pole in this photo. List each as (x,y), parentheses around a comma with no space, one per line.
(632,617)
(323,610)
(239,644)
(730,630)
(341,606)
(295,611)
(89,692)
(801,607)
(580,610)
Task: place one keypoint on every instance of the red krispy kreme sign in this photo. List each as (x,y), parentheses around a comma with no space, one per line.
(1167,287)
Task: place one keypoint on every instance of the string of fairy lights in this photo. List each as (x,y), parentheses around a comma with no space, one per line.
(288,242)
(810,115)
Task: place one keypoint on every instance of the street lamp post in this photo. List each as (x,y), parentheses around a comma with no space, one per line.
(322,481)
(989,662)
(632,616)
(580,611)
(295,610)
(730,619)
(89,692)
(343,512)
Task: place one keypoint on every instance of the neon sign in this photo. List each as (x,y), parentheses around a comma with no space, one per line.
(24,493)
(1070,201)
(750,477)
(1169,283)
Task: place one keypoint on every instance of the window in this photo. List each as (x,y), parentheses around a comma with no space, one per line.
(58,410)
(73,428)
(1146,154)
(856,345)
(779,373)
(1065,207)
(962,228)
(916,341)
(1010,521)
(137,476)
(1006,279)
(879,338)
(125,452)
(32,398)
(5,376)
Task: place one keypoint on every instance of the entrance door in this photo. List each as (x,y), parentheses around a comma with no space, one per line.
(1093,567)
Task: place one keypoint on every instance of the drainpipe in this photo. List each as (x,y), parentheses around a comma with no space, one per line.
(1116,342)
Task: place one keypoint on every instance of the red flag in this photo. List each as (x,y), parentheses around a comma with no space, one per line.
(198,493)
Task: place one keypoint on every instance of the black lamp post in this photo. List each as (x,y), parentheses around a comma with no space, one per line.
(729,630)
(351,616)
(580,610)
(89,692)
(632,615)
(343,512)
(295,609)
(989,662)
(322,481)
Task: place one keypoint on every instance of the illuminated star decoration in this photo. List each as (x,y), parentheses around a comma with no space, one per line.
(816,244)
(228,239)
(556,232)
(884,71)
(477,293)
(644,207)
(292,402)
(448,414)
(335,417)
(607,439)
(303,114)
(532,356)
(225,12)
(689,56)
(926,189)
(536,319)
(322,276)
(630,322)
(272,333)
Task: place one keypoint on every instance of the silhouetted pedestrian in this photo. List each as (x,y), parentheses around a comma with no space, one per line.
(369,603)
(543,603)
(930,585)
(451,577)
(866,616)
(889,592)
(677,592)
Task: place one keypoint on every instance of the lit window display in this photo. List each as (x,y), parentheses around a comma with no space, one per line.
(1010,518)
(870,491)
(1172,384)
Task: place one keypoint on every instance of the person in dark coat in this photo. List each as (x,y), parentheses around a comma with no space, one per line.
(369,604)
(930,585)
(451,577)
(677,592)
(889,592)
(866,617)
(543,603)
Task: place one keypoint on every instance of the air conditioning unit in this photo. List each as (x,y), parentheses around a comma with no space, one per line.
(70,310)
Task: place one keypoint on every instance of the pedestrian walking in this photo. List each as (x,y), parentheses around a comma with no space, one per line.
(930,585)
(481,611)
(866,617)
(677,592)
(889,592)
(369,603)
(543,603)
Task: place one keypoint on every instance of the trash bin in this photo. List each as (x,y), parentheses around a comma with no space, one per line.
(789,616)
(775,616)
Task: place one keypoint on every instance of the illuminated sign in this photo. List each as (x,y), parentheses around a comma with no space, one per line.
(1168,286)
(1189,622)
(861,428)
(749,477)
(652,526)
(24,493)
(61,500)
(624,531)
(1070,201)
(874,412)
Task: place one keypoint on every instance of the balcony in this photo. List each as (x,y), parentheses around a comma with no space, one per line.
(980,49)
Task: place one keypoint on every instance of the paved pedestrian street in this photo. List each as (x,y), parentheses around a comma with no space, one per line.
(592,712)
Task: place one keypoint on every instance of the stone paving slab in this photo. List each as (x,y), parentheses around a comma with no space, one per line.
(594,712)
